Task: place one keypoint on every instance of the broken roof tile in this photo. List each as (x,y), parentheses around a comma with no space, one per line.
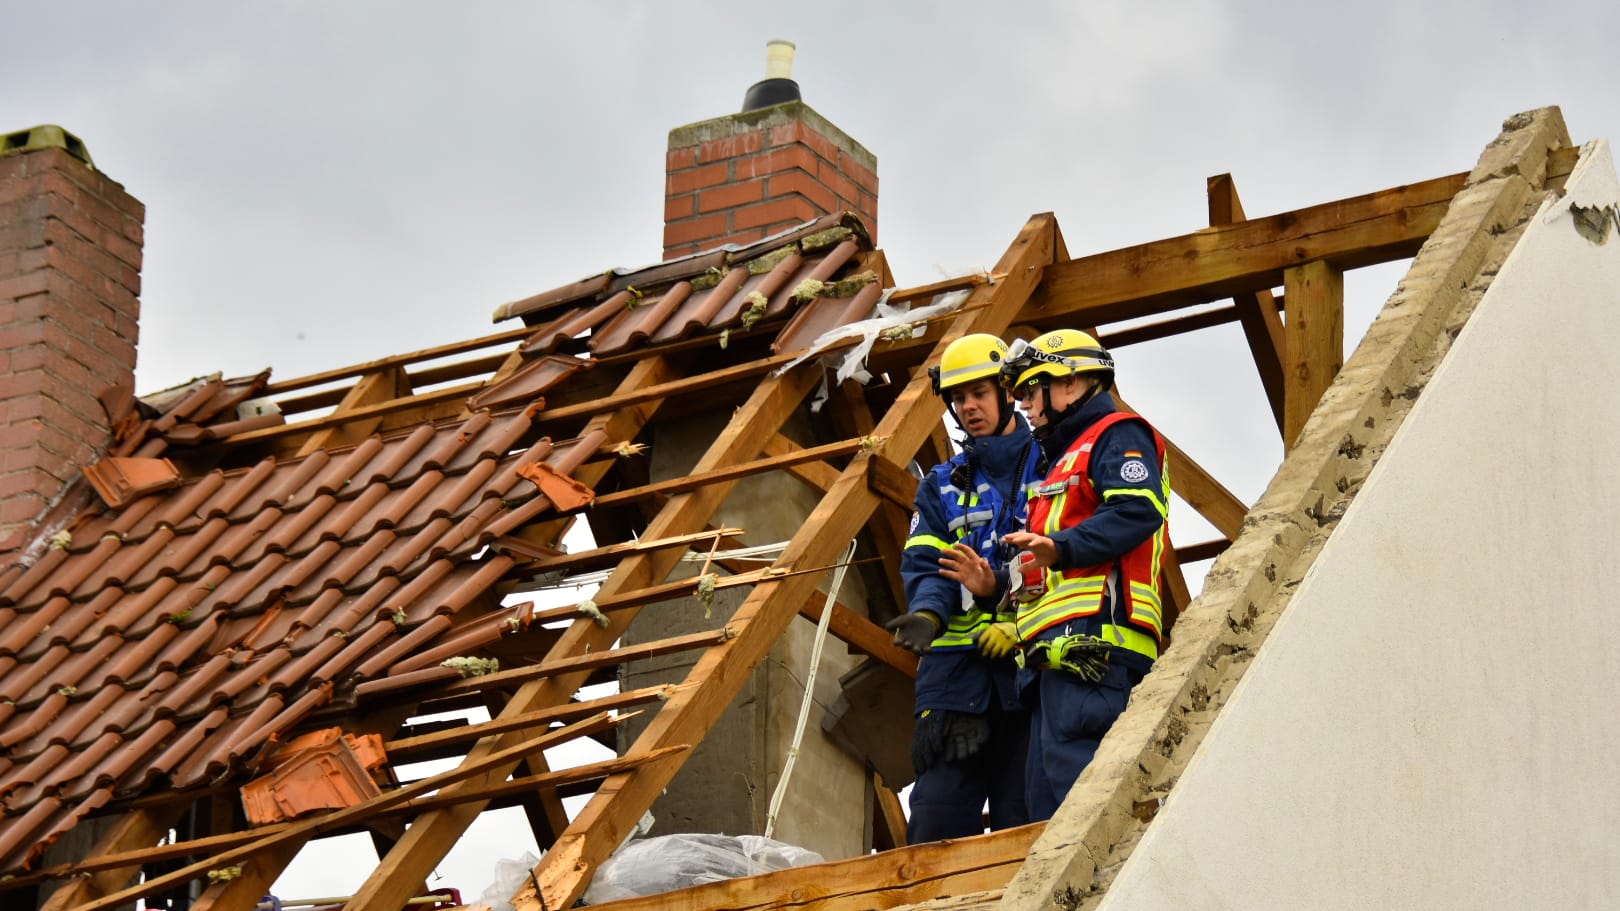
(120,480)
(173,636)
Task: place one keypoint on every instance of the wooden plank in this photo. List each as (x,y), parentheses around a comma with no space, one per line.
(888,527)
(384,385)
(770,405)
(338,818)
(133,830)
(1257,310)
(889,816)
(728,473)
(506,337)
(819,475)
(598,557)
(405,748)
(891,482)
(1219,506)
(891,879)
(1251,255)
(720,671)
(378,410)
(259,872)
(1313,296)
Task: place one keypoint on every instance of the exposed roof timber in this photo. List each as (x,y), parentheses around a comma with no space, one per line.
(563,873)
(1256,310)
(388,800)
(891,879)
(433,833)
(1254,579)
(1248,256)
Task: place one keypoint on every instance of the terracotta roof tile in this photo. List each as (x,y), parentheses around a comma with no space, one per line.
(178,633)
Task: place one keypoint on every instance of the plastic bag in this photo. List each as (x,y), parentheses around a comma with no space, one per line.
(510,875)
(649,866)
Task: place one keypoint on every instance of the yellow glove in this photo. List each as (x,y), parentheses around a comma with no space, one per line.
(998,640)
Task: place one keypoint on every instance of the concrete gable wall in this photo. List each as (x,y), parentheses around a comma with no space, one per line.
(1429,724)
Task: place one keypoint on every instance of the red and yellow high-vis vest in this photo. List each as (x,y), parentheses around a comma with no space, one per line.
(1065,499)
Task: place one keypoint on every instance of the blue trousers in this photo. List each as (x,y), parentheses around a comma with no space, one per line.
(948,798)
(1071,715)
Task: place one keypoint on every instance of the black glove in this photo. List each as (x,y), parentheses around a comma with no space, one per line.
(927,740)
(965,735)
(915,631)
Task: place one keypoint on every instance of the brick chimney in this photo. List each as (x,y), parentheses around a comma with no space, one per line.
(70,276)
(742,177)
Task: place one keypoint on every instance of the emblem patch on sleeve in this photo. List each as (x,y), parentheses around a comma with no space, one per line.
(1134,470)
(915,518)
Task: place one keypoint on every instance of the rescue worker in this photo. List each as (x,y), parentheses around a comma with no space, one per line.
(971,731)
(1089,616)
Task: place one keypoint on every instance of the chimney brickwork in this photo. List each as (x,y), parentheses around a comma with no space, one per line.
(743,177)
(70,261)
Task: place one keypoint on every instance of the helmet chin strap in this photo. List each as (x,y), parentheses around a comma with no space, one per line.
(1054,416)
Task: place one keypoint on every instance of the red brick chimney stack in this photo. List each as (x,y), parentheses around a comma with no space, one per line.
(742,177)
(70,277)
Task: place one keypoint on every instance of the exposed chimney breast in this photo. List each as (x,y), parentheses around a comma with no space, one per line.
(70,278)
(774,165)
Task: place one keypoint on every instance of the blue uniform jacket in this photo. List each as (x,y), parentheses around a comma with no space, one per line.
(960,679)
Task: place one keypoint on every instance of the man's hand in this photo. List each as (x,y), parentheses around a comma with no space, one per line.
(1043,548)
(961,563)
(997,640)
(914,632)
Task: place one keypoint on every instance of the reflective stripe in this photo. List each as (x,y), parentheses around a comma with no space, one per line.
(948,378)
(1133,639)
(1140,492)
(962,629)
(927,541)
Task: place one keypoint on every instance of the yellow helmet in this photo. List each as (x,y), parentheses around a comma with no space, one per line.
(971,357)
(1062,352)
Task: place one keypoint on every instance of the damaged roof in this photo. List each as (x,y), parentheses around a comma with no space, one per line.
(165,633)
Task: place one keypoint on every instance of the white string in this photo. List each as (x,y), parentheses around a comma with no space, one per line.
(809,689)
(545,582)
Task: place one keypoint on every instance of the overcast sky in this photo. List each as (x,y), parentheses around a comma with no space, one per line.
(330,182)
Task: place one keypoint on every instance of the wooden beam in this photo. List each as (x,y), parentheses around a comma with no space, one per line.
(719,672)
(1219,506)
(506,337)
(327,822)
(377,410)
(599,557)
(1313,295)
(892,879)
(889,816)
(1251,255)
(891,482)
(405,748)
(1257,310)
(259,872)
(384,385)
(728,473)
(770,405)
(132,831)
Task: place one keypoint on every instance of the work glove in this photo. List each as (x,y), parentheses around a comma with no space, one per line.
(997,640)
(965,735)
(927,740)
(915,631)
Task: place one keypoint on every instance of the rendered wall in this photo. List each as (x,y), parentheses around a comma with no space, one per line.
(725,786)
(1429,724)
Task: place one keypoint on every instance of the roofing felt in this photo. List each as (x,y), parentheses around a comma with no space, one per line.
(170,629)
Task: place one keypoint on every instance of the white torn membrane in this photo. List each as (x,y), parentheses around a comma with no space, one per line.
(890,322)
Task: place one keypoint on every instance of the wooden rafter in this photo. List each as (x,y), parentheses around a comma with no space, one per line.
(1256,310)
(1314,297)
(1251,255)
(719,672)
(767,409)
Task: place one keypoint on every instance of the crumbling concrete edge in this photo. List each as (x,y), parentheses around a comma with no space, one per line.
(1252,582)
